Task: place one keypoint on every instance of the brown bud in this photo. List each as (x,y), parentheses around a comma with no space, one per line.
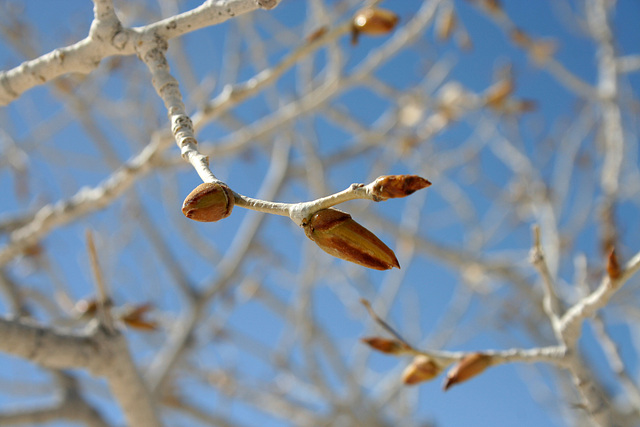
(445,24)
(386,345)
(209,202)
(33,250)
(497,94)
(135,318)
(520,38)
(86,308)
(470,366)
(493,6)
(524,106)
(392,186)
(613,267)
(340,236)
(317,34)
(141,324)
(542,51)
(372,21)
(419,370)
(463,40)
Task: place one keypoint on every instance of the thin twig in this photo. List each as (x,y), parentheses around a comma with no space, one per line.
(551,304)
(384,324)
(104,300)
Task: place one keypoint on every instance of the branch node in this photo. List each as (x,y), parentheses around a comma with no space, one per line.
(267,4)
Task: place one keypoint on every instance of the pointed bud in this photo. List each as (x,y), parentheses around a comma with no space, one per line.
(317,34)
(209,202)
(372,21)
(470,366)
(419,370)
(463,40)
(542,51)
(493,6)
(33,250)
(445,24)
(496,95)
(135,318)
(386,345)
(86,308)
(613,267)
(392,186)
(141,324)
(340,236)
(522,106)
(520,38)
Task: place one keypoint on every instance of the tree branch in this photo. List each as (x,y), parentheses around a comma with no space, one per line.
(107,37)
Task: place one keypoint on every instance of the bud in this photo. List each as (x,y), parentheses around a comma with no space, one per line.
(419,370)
(470,366)
(520,38)
(386,345)
(33,251)
(542,51)
(135,318)
(372,21)
(445,24)
(613,267)
(463,40)
(521,106)
(392,186)
(86,308)
(497,94)
(209,202)
(340,236)
(317,34)
(493,6)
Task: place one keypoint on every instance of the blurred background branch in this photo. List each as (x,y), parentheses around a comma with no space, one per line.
(521,114)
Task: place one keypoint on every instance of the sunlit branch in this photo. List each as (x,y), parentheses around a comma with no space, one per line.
(107,37)
(572,320)
(551,303)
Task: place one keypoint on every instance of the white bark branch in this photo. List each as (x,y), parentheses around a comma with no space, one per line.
(86,200)
(99,352)
(572,320)
(72,407)
(107,37)
(550,303)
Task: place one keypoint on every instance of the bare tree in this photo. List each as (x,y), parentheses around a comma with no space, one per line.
(243,316)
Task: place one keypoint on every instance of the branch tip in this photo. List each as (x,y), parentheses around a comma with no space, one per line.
(104,300)
(385,325)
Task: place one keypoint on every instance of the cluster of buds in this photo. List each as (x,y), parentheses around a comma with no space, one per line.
(424,368)
(339,235)
(209,202)
(133,316)
(372,21)
(334,231)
